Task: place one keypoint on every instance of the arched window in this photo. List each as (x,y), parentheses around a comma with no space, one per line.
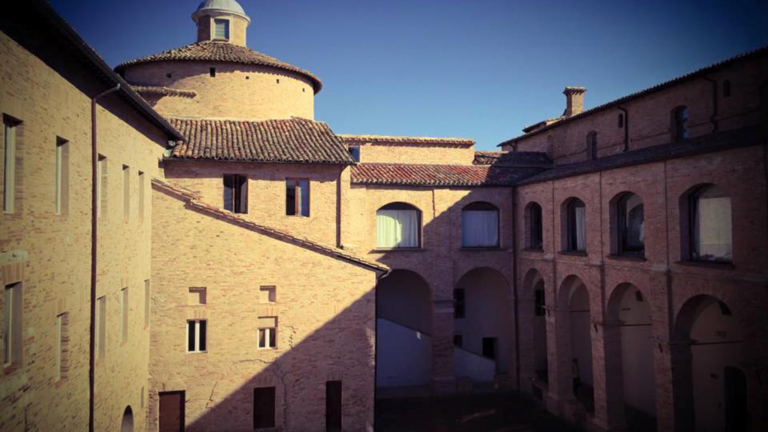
(592,145)
(534,227)
(575,226)
(480,225)
(398,225)
(708,236)
(628,236)
(679,126)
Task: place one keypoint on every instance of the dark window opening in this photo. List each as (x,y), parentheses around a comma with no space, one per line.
(621,120)
(592,145)
(539,302)
(724,309)
(535,227)
(354,151)
(726,88)
(680,123)
(213,72)
(489,347)
(278,80)
(168,75)
(630,224)
(297,197)
(459,303)
(196,336)
(333,412)
(576,226)
(458,340)
(263,407)
(639,296)
(236,193)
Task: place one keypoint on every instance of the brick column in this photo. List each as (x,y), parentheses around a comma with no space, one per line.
(608,377)
(674,385)
(443,376)
(527,346)
(560,379)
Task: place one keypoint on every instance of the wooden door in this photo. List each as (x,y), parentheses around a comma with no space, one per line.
(263,407)
(172,411)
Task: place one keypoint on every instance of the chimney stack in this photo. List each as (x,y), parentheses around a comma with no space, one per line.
(574,100)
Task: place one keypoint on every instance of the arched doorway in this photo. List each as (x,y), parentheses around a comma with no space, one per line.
(534,284)
(127,424)
(628,309)
(574,298)
(479,320)
(710,389)
(404,330)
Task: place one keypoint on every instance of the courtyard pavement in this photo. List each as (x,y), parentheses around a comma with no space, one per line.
(494,412)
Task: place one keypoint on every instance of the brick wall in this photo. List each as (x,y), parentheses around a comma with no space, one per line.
(414,153)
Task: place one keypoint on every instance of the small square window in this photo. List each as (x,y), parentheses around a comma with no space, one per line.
(197,296)
(267,294)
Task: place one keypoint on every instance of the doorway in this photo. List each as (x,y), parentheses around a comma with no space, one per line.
(172,411)
(735,400)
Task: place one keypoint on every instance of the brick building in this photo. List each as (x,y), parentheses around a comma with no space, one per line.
(198,252)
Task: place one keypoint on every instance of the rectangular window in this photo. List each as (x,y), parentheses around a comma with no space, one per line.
(62,351)
(124,309)
(263,407)
(101,186)
(147,299)
(539,302)
(126,192)
(236,193)
(196,335)
(9,163)
(101,327)
(354,151)
(141,195)
(197,296)
(489,347)
(267,294)
(267,332)
(458,340)
(479,228)
(62,176)
(459,304)
(333,406)
(297,197)
(397,227)
(222,29)
(12,324)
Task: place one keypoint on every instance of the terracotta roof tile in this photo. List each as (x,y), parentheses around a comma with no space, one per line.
(193,200)
(463,142)
(438,175)
(220,52)
(512,159)
(293,140)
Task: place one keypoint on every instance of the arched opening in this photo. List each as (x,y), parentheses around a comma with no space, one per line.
(706,224)
(480,225)
(629,309)
(627,225)
(127,424)
(709,393)
(404,330)
(485,334)
(398,226)
(534,284)
(574,298)
(574,225)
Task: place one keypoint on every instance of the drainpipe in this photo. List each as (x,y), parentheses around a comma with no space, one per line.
(626,127)
(514,285)
(94,250)
(713,117)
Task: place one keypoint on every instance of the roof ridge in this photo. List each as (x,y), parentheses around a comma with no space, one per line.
(193,199)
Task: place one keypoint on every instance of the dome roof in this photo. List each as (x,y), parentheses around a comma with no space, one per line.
(231,6)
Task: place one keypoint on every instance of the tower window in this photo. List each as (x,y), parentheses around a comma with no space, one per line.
(222,29)
(213,72)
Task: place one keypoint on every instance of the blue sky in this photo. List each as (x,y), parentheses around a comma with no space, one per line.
(480,69)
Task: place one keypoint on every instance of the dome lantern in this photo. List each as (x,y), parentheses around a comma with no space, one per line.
(222,21)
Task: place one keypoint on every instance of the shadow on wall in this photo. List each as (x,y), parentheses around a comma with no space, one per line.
(237,400)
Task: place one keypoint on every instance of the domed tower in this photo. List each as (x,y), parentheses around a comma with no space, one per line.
(219,76)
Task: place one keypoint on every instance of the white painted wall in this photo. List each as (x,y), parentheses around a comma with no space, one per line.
(581,339)
(486,309)
(637,353)
(471,365)
(709,362)
(403,356)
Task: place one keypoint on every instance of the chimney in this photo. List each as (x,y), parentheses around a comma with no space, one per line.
(574,100)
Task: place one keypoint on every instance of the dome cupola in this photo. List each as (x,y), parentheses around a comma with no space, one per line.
(221,21)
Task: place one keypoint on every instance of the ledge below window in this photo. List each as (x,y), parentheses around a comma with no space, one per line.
(627,257)
(720,265)
(482,249)
(398,250)
(573,253)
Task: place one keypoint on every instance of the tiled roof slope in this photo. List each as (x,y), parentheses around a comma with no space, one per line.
(210,51)
(722,141)
(438,175)
(192,200)
(512,159)
(658,87)
(293,140)
(462,142)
